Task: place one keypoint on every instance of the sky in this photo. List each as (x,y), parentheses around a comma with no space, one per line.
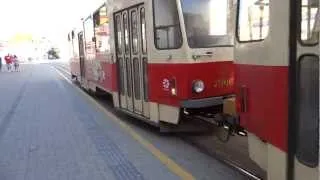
(48,18)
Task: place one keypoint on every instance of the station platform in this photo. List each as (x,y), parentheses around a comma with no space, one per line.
(49,129)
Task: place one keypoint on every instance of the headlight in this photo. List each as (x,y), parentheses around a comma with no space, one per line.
(198,86)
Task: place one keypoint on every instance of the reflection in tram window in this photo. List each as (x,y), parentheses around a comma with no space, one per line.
(206,22)
(76,44)
(167,27)
(253,23)
(101,27)
(309,13)
(126,34)
(134,30)
(89,34)
(143,31)
(118,34)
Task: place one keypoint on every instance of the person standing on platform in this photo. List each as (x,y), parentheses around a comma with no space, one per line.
(7,58)
(0,64)
(16,63)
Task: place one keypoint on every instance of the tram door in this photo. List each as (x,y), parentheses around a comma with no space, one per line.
(81,55)
(306,148)
(131,51)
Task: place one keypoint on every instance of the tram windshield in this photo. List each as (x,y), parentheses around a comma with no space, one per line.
(206,22)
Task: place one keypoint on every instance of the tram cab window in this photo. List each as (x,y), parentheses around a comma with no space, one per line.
(166,26)
(253,22)
(101,30)
(206,22)
(310,21)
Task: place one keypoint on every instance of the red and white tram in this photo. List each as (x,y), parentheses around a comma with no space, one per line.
(164,59)
(277,81)
(160,59)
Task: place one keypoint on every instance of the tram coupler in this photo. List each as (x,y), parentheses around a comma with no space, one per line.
(232,125)
(229,120)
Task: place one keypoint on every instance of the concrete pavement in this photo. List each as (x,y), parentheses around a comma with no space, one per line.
(48,130)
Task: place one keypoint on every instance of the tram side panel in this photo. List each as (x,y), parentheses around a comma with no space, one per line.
(262,65)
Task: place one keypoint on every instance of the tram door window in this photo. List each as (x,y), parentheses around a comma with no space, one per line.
(81,54)
(307,151)
(121,61)
(131,46)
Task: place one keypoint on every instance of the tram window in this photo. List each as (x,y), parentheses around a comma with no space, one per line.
(118,34)
(134,30)
(166,24)
(309,21)
(253,20)
(76,46)
(145,78)
(137,72)
(89,34)
(206,22)
(126,33)
(101,28)
(122,75)
(129,77)
(143,30)
(308,114)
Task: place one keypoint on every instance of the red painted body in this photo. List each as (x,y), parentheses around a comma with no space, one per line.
(107,81)
(185,74)
(267,102)
(110,81)
(75,67)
